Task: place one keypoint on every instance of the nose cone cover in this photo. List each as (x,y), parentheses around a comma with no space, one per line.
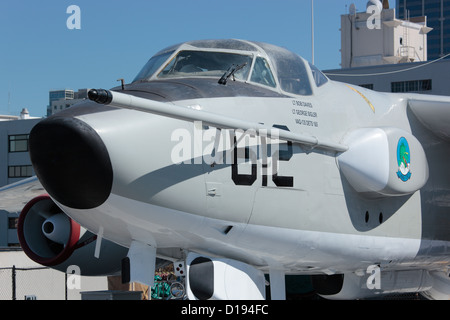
(71,161)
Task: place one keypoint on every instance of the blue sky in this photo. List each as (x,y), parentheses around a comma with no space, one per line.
(38,53)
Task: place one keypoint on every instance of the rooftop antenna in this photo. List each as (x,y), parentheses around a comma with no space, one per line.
(352,9)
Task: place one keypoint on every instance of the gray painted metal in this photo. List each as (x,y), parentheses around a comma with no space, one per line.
(299,211)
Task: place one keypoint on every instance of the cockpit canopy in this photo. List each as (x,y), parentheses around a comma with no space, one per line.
(255,62)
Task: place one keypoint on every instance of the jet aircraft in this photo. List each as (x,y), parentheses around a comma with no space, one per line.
(236,159)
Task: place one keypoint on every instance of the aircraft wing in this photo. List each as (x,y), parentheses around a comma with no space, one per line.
(14,197)
(433,112)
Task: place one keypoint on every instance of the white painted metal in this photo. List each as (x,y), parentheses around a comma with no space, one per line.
(217,120)
(142,263)
(231,280)
(345,145)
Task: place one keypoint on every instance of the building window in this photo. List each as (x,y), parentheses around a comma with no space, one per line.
(18,143)
(12,223)
(412,86)
(20,171)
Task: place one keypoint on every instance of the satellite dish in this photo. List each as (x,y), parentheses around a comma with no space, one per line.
(352,9)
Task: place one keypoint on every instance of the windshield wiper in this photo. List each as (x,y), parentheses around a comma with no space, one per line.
(230,72)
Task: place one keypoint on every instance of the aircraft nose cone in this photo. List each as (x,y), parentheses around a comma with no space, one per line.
(71,161)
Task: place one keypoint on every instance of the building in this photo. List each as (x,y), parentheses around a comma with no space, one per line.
(377,38)
(24,114)
(391,59)
(58,95)
(438,18)
(15,161)
(15,165)
(420,77)
(63,99)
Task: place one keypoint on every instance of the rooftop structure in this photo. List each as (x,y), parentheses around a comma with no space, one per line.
(377,37)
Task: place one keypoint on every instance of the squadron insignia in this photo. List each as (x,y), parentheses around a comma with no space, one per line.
(404,160)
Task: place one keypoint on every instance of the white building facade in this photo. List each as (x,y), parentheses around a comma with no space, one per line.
(15,165)
(376,37)
(62,99)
